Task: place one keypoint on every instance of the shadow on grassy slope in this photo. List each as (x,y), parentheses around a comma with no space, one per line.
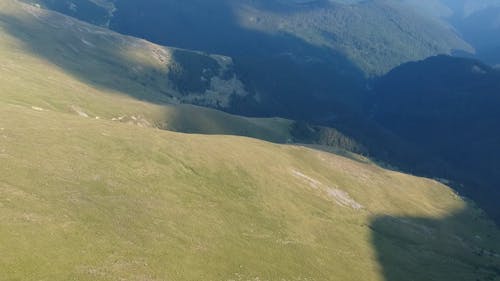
(112,62)
(457,247)
(94,56)
(137,68)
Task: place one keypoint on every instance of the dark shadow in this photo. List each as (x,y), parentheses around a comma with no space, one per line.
(88,53)
(206,25)
(449,108)
(463,246)
(286,76)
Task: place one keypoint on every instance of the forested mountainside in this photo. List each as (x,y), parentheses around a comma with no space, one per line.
(477,21)
(317,53)
(374,36)
(449,107)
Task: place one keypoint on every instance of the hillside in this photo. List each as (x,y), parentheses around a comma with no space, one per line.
(316,53)
(56,63)
(93,188)
(87,199)
(354,29)
(477,21)
(137,67)
(452,106)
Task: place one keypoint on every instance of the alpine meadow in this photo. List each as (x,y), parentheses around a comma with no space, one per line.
(287,140)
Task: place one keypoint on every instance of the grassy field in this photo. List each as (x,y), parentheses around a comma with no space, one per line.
(93,188)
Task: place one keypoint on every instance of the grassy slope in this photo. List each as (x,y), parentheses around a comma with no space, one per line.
(30,79)
(135,67)
(85,199)
(94,199)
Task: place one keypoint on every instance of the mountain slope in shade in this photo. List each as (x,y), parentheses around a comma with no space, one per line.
(354,29)
(452,106)
(133,66)
(316,53)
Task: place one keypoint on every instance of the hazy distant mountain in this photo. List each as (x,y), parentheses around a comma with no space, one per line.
(477,21)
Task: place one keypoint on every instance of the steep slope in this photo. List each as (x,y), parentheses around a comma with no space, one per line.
(52,62)
(452,106)
(133,66)
(480,25)
(316,53)
(375,35)
(478,22)
(350,27)
(92,79)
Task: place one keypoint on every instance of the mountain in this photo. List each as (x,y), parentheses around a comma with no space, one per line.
(477,21)
(317,53)
(51,61)
(93,186)
(354,29)
(310,61)
(92,199)
(141,69)
(448,106)
(167,78)
(480,25)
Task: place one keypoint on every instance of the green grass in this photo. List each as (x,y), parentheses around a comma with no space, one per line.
(132,66)
(41,71)
(98,199)
(86,199)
